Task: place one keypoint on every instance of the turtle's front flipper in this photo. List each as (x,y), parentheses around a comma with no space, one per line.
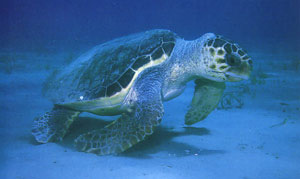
(130,128)
(206,98)
(53,125)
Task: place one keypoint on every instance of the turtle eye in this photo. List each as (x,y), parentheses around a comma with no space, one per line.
(233,60)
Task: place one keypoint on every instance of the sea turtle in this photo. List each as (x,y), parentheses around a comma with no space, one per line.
(132,76)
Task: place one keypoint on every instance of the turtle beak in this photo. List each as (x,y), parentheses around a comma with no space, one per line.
(239,73)
(233,77)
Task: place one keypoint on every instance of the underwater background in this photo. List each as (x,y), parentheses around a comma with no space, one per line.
(254,132)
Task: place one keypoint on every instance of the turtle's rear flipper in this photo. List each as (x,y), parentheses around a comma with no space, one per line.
(131,128)
(53,125)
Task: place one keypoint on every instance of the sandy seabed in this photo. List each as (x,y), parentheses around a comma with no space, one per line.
(259,140)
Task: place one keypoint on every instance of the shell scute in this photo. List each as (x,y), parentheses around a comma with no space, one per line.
(126,78)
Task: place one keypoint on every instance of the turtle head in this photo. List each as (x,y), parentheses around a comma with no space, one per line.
(225,60)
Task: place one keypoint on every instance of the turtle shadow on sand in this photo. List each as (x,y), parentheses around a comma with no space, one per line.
(160,141)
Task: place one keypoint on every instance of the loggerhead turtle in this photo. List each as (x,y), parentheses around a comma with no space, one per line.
(132,76)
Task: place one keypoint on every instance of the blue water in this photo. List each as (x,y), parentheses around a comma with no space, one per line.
(65,24)
(255,135)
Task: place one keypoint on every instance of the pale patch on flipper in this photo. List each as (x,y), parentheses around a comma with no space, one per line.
(131,128)
(206,98)
(53,125)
